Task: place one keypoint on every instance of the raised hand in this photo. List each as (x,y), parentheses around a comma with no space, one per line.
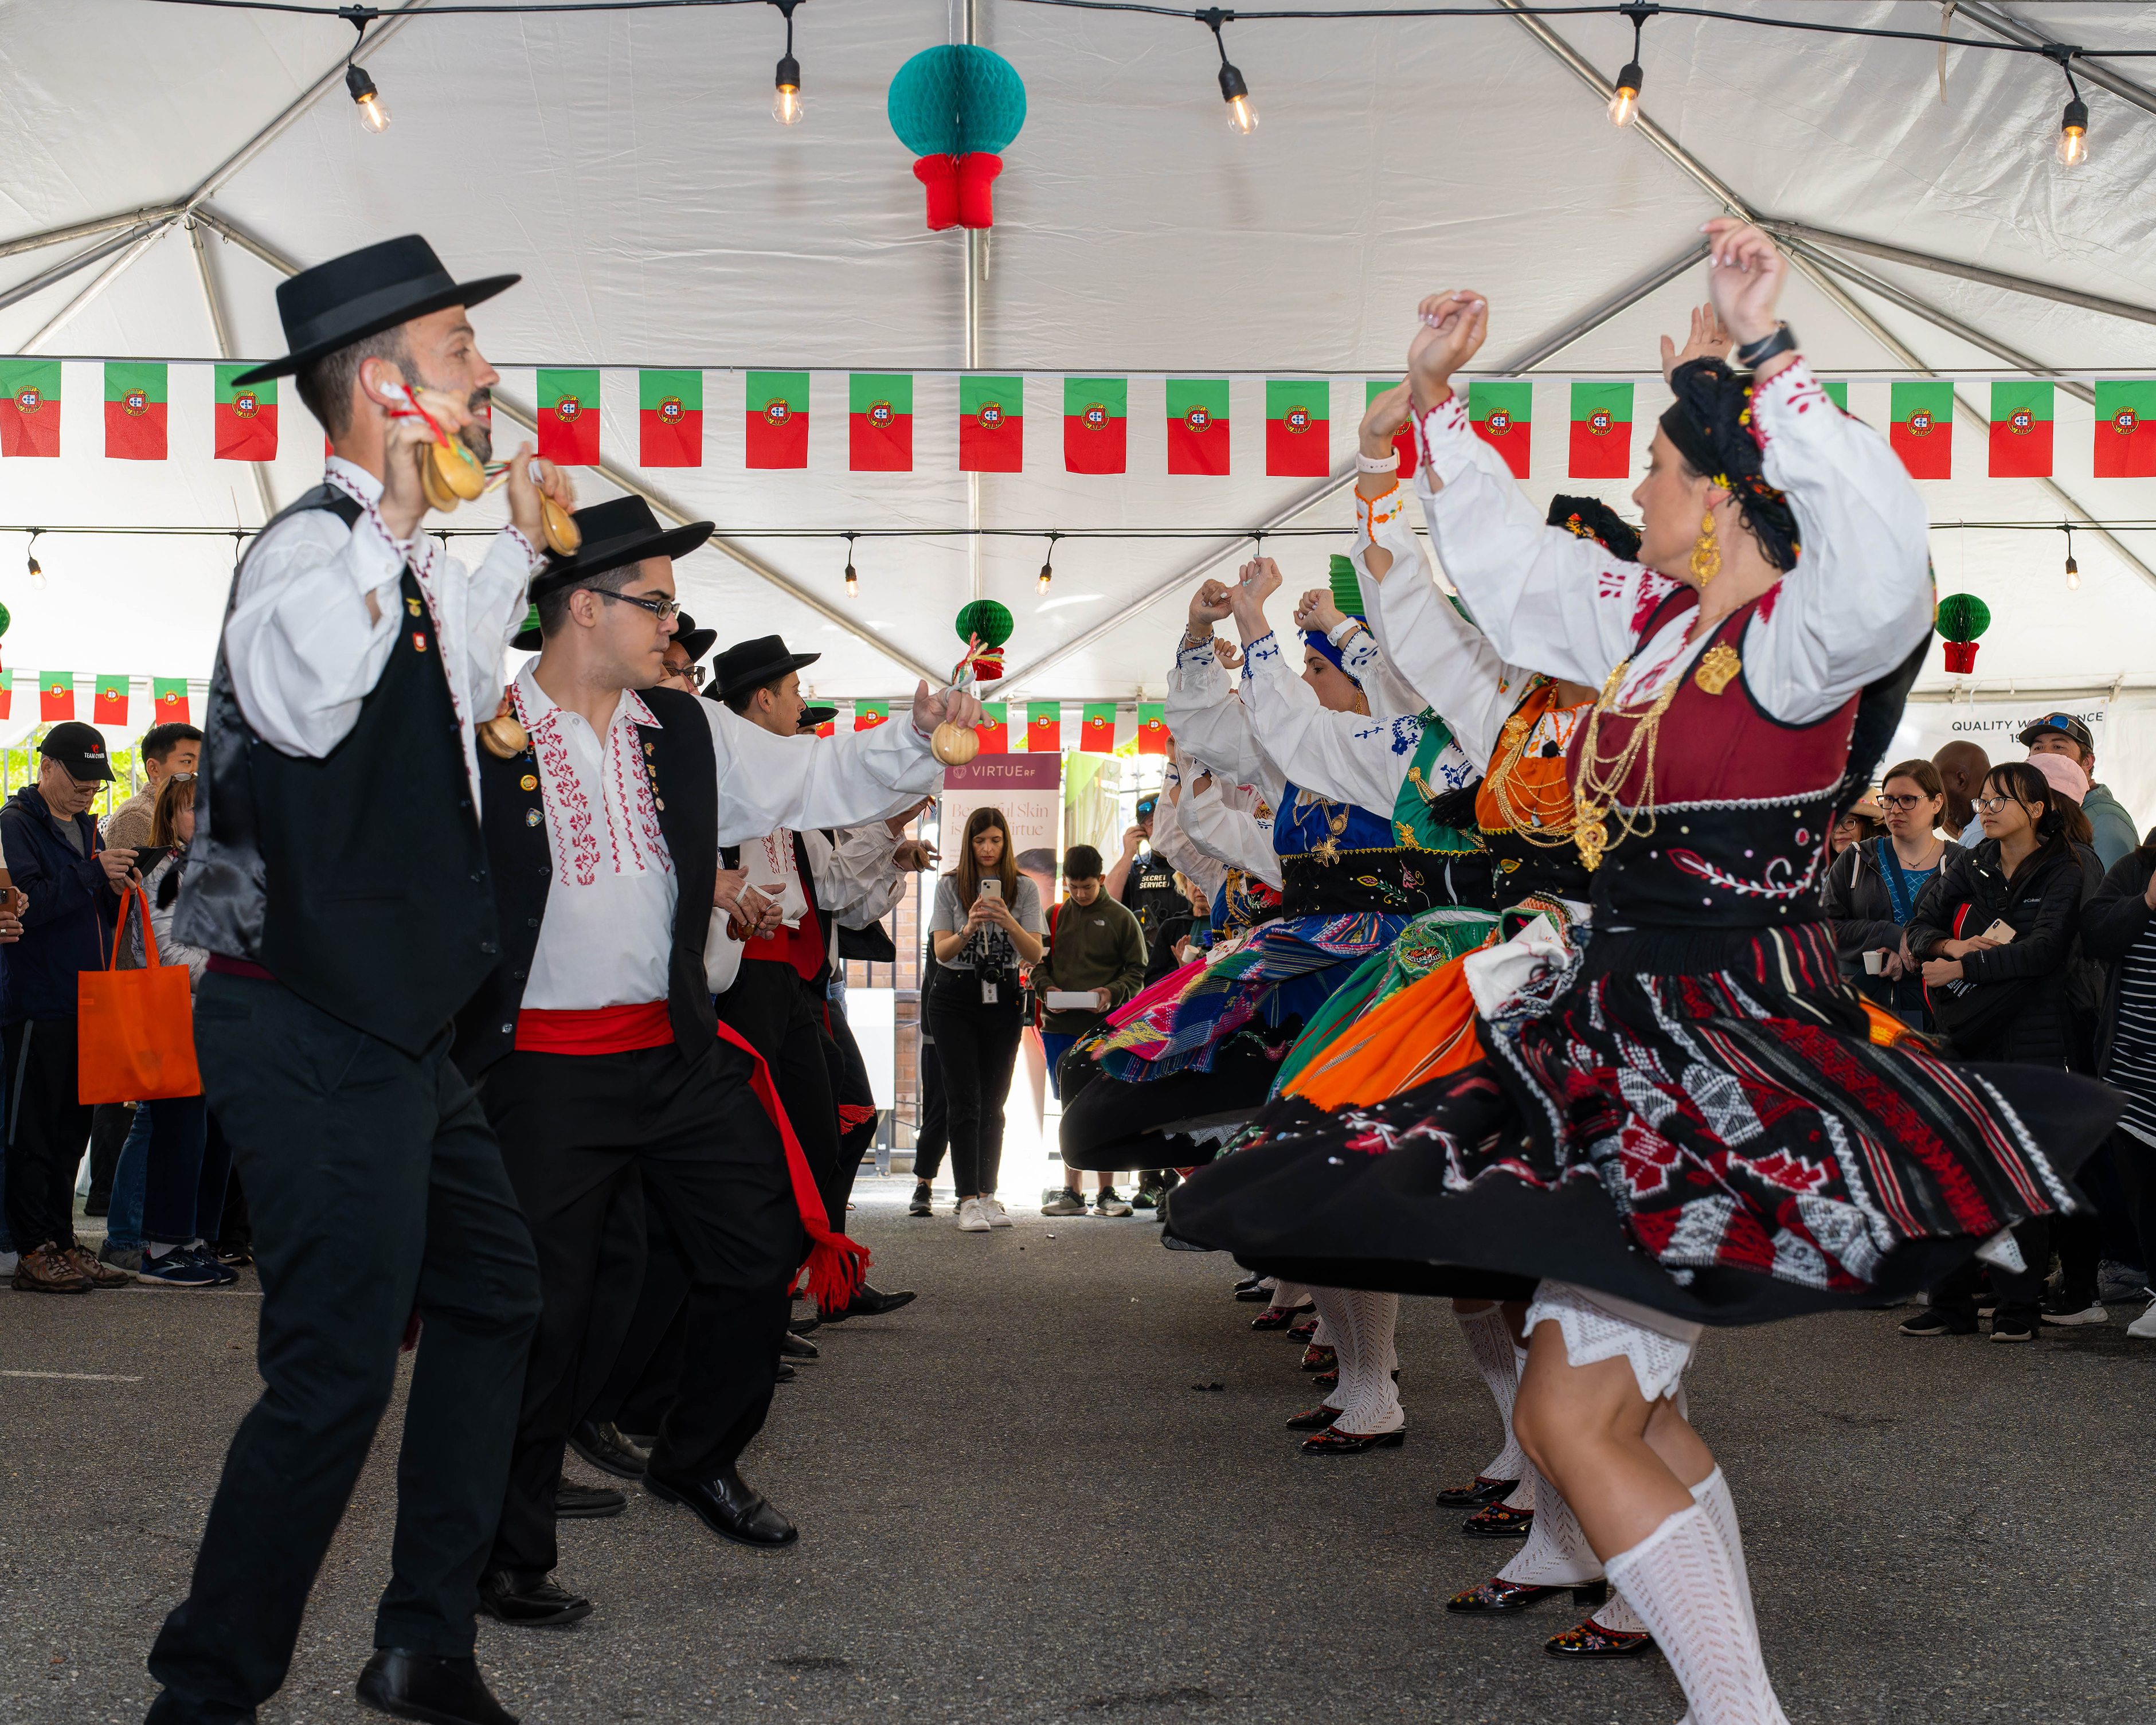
(1316,610)
(529,475)
(1228,654)
(1449,331)
(1256,582)
(1708,340)
(1384,418)
(947,706)
(1744,278)
(1209,604)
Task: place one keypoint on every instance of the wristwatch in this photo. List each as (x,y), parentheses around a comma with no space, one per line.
(1753,354)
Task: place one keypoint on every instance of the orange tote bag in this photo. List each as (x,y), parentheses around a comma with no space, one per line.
(135,1029)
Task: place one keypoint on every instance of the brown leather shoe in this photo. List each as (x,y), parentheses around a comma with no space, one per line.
(102,1275)
(48,1270)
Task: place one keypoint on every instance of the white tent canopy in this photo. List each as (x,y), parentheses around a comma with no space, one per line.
(627,164)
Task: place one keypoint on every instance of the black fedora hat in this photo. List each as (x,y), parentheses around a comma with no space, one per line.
(618,532)
(376,288)
(814,718)
(694,641)
(747,664)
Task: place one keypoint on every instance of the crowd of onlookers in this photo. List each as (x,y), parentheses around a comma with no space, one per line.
(2006,910)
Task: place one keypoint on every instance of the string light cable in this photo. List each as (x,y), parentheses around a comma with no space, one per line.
(373,111)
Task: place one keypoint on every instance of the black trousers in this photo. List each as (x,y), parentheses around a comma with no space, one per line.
(2133,1163)
(2019,1290)
(850,1086)
(109,1125)
(934,1132)
(574,1128)
(641,1376)
(782,1018)
(376,1189)
(977,1046)
(47,1130)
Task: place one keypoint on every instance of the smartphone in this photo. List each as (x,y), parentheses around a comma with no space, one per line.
(991,886)
(2000,932)
(148,856)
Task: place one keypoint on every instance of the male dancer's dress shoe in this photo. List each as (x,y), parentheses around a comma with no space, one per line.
(1333,1441)
(793,1346)
(430,1687)
(1498,1520)
(1315,1419)
(728,1506)
(583,1502)
(601,1443)
(866,1302)
(1590,1641)
(805,1325)
(526,1598)
(1484,1489)
(1500,1595)
(786,1373)
(1249,1292)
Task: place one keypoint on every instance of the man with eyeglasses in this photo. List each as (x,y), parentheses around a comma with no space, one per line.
(2112,827)
(685,671)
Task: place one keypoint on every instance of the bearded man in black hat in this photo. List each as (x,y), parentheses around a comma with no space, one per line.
(341,883)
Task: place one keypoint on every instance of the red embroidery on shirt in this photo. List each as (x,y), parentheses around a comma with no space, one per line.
(568,813)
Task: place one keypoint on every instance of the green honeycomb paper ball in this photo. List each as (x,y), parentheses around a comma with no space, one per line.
(956,100)
(1962,616)
(986,619)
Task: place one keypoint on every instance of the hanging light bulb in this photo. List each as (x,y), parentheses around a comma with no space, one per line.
(373,111)
(1625,99)
(786,98)
(853,581)
(1242,111)
(2073,569)
(2073,134)
(37,569)
(1048,574)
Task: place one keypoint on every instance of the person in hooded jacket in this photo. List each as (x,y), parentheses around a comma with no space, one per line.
(1871,891)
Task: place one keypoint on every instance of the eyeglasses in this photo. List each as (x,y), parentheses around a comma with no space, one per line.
(1992,805)
(693,673)
(663,608)
(1901,803)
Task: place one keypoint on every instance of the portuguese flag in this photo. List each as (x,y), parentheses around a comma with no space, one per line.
(134,411)
(995,728)
(1152,728)
(6,694)
(2125,429)
(168,701)
(110,706)
(1404,443)
(55,695)
(1198,426)
(670,418)
(879,422)
(1094,427)
(870,714)
(1923,432)
(30,416)
(569,417)
(830,727)
(1298,428)
(1601,430)
(2021,429)
(246,417)
(1502,415)
(1043,726)
(1096,732)
(777,418)
(991,424)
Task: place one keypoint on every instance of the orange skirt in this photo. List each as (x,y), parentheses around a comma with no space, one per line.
(1423,1032)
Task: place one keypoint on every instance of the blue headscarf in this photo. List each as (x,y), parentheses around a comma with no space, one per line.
(1318,640)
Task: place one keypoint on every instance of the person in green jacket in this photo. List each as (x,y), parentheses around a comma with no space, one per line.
(2063,734)
(1095,946)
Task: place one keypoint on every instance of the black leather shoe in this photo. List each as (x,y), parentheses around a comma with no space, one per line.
(574,1503)
(427,1687)
(1333,1441)
(1484,1489)
(793,1346)
(1499,1595)
(1250,1292)
(601,1443)
(1590,1641)
(729,1506)
(525,1600)
(787,1375)
(1498,1520)
(867,1302)
(805,1325)
(1315,1419)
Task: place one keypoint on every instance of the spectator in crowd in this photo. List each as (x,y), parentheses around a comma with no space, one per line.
(1144,882)
(166,751)
(2110,827)
(2005,997)
(2118,930)
(684,655)
(1177,944)
(1094,947)
(932,1137)
(1872,889)
(986,923)
(1861,822)
(1962,766)
(73,882)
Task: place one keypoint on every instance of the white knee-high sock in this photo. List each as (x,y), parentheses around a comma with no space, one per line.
(1322,1336)
(1619,1618)
(1489,1345)
(1332,1305)
(1711,1494)
(1680,1581)
(1290,1294)
(1369,1401)
(1557,1554)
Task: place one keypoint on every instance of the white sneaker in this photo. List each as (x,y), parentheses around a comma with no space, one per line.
(2144,1328)
(972,1217)
(998,1217)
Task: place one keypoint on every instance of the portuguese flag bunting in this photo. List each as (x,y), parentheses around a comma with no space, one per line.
(2125,429)
(30,416)
(56,695)
(168,701)
(1502,414)
(670,418)
(1404,443)
(246,416)
(1298,428)
(1095,425)
(1923,431)
(994,729)
(1198,426)
(1837,391)
(1097,730)
(569,417)
(879,422)
(1043,726)
(778,419)
(1601,431)
(6,694)
(991,424)
(110,706)
(1152,728)
(830,727)
(2021,429)
(870,714)
(134,411)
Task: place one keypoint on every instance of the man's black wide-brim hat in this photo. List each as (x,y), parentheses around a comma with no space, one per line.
(617,532)
(362,293)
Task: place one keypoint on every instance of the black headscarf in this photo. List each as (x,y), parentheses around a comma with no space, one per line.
(1711,423)
(1590,519)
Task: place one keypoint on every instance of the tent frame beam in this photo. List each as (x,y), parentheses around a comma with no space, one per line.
(2002,22)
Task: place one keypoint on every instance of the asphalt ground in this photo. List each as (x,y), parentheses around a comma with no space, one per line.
(1018,1503)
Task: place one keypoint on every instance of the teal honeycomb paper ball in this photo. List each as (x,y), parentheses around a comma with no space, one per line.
(956,100)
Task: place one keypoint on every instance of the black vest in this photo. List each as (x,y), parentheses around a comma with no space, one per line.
(359,880)
(683,767)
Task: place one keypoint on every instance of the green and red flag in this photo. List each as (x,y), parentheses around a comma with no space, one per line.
(670,418)
(1601,430)
(2125,428)
(55,695)
(1198,426)
(1837,391)
(994,729)
(2020,429)
(30,416)
(777,418)
(168,700)
(1404,441)
(246,416)
(1298,428)
(1923,431)
(109,705)
(1502,414)
(1043,726)
(1152,728)
(134,411)
(6,694)
(870,714)
(1096,728)
(1096,431)
(991,424)
(879,422)
(569,417)
(830,727)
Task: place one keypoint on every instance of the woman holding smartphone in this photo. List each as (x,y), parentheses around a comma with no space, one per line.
(986,924)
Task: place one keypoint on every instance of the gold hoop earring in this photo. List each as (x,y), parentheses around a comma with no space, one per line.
(1706,554)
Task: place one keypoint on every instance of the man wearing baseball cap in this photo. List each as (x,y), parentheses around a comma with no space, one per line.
(54,854)
(2064,734)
